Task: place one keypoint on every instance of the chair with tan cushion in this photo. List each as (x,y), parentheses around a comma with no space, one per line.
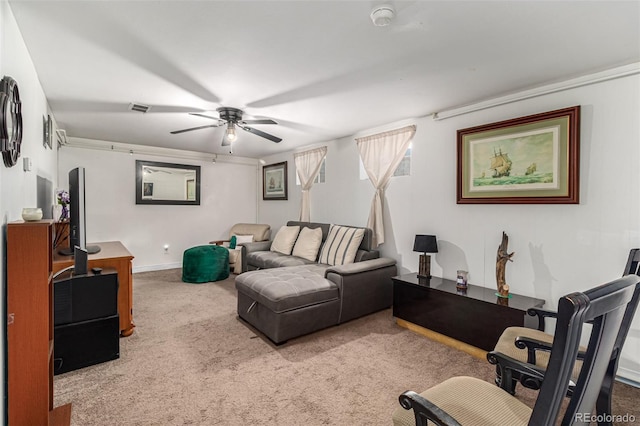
(533,347)
(244,233)
(470,401)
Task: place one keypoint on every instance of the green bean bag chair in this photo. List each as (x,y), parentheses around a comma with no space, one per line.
(203,264)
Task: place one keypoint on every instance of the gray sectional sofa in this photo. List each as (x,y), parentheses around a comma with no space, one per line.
(285,296)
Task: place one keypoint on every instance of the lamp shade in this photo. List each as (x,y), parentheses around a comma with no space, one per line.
(230,134)
(425,244)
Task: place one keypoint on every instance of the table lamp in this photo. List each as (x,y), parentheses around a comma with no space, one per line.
(425,244)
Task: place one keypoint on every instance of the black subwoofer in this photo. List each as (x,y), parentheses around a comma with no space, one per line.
(87,329)
(86,343)
(85,297)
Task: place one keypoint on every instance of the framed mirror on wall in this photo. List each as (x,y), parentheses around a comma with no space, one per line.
(167,183)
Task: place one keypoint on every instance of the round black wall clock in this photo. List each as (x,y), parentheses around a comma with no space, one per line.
(10,121)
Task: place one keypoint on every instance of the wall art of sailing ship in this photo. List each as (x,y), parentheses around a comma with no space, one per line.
(500,164)
(502,171)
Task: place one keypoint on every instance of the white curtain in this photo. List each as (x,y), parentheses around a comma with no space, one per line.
(308,166)
(381,154)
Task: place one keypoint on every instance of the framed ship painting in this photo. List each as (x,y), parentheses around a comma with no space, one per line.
(274,181)
(527,160)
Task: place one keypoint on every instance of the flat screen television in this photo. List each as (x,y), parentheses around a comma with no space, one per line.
(77,217)
(44,197)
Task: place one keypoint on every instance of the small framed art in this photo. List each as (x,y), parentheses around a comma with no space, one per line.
(47,132)
(274,181)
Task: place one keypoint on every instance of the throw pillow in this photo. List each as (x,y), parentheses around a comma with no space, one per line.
(308,243)
(341,245)
(285,239)
(242,239)
(232,242)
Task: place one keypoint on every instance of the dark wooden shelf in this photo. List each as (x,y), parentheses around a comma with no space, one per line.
(476,317)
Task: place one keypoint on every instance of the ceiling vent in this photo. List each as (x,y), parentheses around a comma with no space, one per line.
(139,107)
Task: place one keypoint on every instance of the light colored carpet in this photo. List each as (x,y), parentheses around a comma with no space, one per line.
(191,361)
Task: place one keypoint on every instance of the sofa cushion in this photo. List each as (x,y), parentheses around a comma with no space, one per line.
(273,259)
(285,239)
(308,243)
(367,240)
(243,239)
(285,289)
(341,245)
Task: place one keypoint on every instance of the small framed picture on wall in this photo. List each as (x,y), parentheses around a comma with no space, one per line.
(47,131)
(274,181)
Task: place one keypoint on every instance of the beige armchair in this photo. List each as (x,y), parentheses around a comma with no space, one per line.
(242,232)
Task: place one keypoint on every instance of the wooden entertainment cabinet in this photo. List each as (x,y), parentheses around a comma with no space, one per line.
(112,254)
(30,326)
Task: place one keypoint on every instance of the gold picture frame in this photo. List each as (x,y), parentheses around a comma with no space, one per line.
(527,160)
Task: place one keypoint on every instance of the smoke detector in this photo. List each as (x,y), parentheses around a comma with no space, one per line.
(381,16)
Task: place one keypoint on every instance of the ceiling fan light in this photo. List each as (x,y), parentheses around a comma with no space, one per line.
(231,132)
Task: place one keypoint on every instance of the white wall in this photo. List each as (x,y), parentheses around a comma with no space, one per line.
(227,196)
(558,248)
(17,187)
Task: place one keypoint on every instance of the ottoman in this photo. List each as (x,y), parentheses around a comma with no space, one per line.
(284,303)
(206,263)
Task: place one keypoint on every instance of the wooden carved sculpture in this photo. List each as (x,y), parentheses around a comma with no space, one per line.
(501,262)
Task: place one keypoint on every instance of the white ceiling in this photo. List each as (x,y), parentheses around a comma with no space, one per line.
(319,68)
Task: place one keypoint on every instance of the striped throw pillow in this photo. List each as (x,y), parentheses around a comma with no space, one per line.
(341,245)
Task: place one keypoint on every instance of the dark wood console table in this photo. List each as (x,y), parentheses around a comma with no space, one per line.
(477,317)
(112,254)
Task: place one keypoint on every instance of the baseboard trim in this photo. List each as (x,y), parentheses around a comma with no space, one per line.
(445,340)
(629,377)
(150,268)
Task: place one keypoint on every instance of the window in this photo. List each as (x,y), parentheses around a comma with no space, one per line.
(404,168)
(321,175)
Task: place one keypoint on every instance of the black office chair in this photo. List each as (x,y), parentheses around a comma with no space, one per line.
(533,346)
(466,400)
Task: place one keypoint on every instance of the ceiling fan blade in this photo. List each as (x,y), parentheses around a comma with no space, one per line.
(205,116)
(261,121)
(175,132)
(261,133)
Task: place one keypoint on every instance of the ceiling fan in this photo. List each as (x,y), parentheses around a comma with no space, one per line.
(232,117)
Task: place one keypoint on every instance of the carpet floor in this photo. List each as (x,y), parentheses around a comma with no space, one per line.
(191,361)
